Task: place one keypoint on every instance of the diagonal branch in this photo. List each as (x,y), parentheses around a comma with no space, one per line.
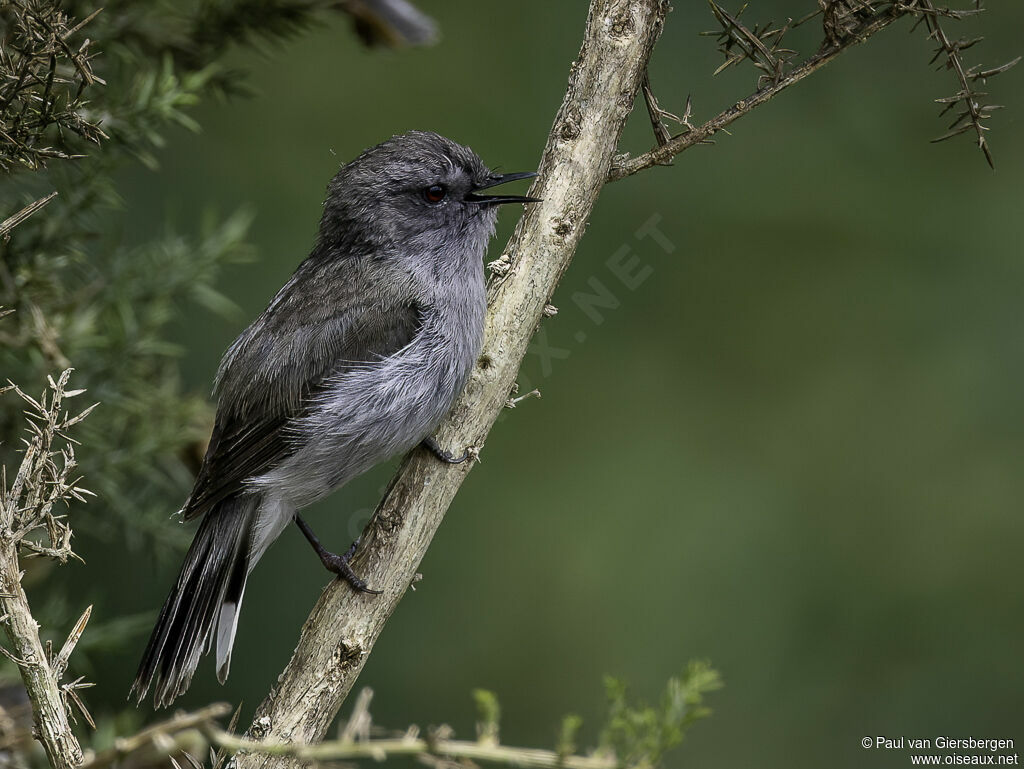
(662,154)
(342,629)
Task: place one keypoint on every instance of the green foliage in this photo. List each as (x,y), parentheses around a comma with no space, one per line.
(217,24)
(489,715)
(639,735)
(570,728)
(156,100)
(634,736)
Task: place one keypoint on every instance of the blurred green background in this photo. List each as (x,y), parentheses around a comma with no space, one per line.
(795,449)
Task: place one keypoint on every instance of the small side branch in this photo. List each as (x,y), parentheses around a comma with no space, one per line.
(663,154)
(167,738)
(972,111)
(761,46)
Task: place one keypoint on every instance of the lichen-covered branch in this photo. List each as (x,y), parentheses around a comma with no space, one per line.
(344,625)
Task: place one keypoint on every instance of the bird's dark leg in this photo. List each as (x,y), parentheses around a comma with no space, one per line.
(443,454)
(336,564)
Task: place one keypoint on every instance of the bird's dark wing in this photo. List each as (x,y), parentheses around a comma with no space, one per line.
(332,315)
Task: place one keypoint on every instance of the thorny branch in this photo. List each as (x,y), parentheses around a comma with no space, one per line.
(30,525)
(762,45)
(846,23)
(664,153)
(972,111)
(43,82)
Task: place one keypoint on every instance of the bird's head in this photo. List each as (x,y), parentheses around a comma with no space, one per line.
(417,190)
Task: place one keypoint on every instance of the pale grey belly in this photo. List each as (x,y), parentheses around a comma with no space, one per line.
(365,418)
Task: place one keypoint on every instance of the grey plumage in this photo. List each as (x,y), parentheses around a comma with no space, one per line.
(357,358)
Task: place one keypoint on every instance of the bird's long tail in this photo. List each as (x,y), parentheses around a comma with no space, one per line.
(206,597)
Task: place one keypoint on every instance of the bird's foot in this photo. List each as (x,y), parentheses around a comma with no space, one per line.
(443,454)
(339,564)
(334,563)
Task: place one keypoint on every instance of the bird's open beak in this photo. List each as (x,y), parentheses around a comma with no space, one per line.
(494,181)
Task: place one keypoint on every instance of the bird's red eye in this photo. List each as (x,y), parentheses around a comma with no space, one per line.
(435,193)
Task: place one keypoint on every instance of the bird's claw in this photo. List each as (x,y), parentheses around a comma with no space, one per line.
(443,454)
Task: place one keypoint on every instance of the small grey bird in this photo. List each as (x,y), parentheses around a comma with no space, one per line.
(358,358)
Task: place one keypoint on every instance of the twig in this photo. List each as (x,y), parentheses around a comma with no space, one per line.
(169,737)
(664,153)
(656,113)
(343,627)
(761,46)
(359,722)
(11,222)
(382,749)
(60,664)
(973,112)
